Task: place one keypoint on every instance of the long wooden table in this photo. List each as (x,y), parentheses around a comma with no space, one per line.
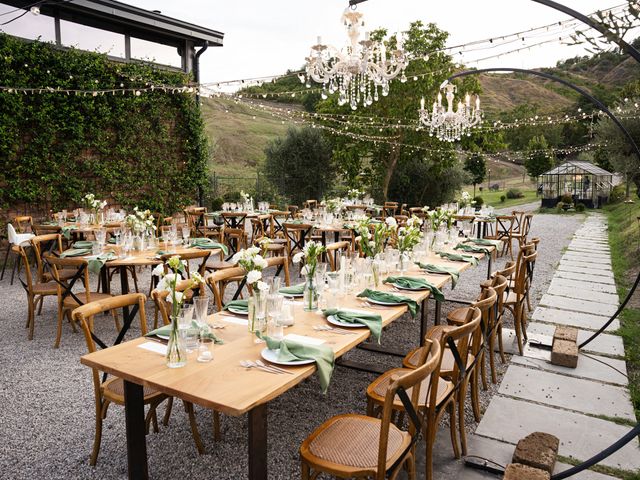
(223,384)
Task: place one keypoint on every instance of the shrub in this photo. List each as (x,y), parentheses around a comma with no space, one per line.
(233,197)
(560,206)
(567,198)
(514,193)
(580,207)
(502,198)
(479,200)
(216,204)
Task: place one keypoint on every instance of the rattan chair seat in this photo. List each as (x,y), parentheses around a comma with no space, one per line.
(457,316)
(447,360)
(93,297)
(378,389)
(219,265)
(113,389)
(352,441)
(63,274)
(49,288)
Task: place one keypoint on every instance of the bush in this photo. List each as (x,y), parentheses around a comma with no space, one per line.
(514,193)
(580,207)
(233,197)
(560,207)
(479,201)
(567,198)
(216,204)
(502,198)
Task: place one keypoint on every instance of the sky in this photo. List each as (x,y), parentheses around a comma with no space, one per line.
(265,38)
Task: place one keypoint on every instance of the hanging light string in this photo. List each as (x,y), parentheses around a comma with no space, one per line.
(569,24)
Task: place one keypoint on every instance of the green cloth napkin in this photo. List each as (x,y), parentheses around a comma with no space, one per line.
(454,257)
(439,269)
(207,243)
(112,240)
(290,351)
(370,320)
(391,298)
(413,282)
(83,244)
(66,231)
(161,252)
(472,248)
(240,305)
(486,242)
(166,331)
(292,290)
(75,252)
(95,264)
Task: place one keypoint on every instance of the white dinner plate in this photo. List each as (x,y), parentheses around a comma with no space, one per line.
(272,356)
(387,304)
(292,295)
(238,312)
(419,289)
(163,337)
(335,321)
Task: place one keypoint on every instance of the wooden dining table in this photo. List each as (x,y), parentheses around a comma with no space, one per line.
(225,385)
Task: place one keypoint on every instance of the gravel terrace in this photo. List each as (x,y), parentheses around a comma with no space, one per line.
(47,421)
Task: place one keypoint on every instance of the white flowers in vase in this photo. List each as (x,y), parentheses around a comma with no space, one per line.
(253,263)
(93,204)
(140,221)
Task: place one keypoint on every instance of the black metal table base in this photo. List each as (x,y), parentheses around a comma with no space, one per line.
(135,425)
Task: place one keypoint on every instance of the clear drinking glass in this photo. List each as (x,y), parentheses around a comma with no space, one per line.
(260,312)
(274,313)
(201,307)
(186,233)
(287,317)
(205,349)
(276,283)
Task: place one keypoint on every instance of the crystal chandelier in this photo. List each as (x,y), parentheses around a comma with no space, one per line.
(360,70)
(446,124)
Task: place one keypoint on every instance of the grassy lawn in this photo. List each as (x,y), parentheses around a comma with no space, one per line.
(624,238)
(493,198)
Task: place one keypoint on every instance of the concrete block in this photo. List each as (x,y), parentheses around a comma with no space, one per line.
(564,353)
(564,332)
(517,471)
(538,450)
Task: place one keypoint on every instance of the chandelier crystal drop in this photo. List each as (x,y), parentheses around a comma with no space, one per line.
(361,71)
(445,123)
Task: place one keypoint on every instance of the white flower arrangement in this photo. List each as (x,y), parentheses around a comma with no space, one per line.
(140,221)
(354,193)
(310,253)
(245,196)
(414,222)
(391,222)
(333,205)
(376,241)
(253,263)
(169,280)
(465,199)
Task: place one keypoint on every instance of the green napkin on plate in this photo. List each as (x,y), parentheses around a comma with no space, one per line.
(454,257)
(472,248)
(290,351)
(75,252)
(391,298)
(292,290)
(208,244)
(165,331)
(441,270)
(370,320)
(240,305)
(413,283)
(486,242)
(66,231)
(83,244)
(95,264)
(112,240)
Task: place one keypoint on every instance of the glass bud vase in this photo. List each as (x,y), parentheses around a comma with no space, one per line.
(375,270)
(403,262)
(310,295)
(176,351)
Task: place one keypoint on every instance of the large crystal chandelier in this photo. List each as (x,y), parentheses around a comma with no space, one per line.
(360,70)
(449,125)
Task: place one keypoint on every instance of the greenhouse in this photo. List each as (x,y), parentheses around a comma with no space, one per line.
(585,182)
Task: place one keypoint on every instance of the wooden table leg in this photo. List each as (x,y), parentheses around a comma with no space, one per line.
(258,442)
(136,441)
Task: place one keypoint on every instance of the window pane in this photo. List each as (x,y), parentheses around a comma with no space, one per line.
(155,52)
(28,25)
(91,39)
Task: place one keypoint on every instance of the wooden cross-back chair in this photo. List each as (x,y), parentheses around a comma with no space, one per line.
(503,232)
(111,390)
(310,204)
(17,235)
(49,243)
(235,239)
(296,236)
(274,249)
(278,219)
(233,219)
(457,363)
(368,447)
(389,209)
(218,280)
(35,289)
(516,299)
(68,300)
(334,251)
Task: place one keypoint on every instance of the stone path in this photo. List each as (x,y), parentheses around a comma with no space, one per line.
(578,405)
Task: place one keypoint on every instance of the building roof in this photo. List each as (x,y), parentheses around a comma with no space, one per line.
(576,166)
(121,18)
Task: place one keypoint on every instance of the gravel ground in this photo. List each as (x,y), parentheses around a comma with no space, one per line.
(47,400)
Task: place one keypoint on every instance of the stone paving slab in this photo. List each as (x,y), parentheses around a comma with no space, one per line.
(501,453)
(586,260)
(595,272)
(576,394)
(587,367)
(585,277)
(580,436)
(575,319)
(582,293)
(578,305)
(605,344)
(582,286)
(587,251)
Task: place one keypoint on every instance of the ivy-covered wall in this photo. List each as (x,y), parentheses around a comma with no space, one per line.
(147,150)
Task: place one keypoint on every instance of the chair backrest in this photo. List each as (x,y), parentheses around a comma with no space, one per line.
(213,281)
(27,283)
(311,204)
(295,234)
(52,242)
(508,270)
(280,262)
(504,225)
(24,224)
(334,251)
(524,274)
(486,303)
(159,298)
(82,273)
(86,314)
(11,234)
(518,220)
(195,255)
(431,357)
(500,284)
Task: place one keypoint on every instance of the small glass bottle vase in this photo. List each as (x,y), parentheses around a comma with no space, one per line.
(176,350)
(310,295)
(403,262)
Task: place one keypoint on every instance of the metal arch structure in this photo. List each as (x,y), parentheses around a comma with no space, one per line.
(626,47)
